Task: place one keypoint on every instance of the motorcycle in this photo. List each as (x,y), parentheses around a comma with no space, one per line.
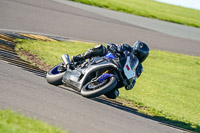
(96,76)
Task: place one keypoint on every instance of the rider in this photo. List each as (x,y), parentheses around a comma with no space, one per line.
(139,49)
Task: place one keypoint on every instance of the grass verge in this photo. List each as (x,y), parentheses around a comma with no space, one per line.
(168,88)
(151,9)
(11,122)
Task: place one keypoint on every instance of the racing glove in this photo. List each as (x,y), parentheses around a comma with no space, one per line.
(113,48)
(129,87)
(139,70)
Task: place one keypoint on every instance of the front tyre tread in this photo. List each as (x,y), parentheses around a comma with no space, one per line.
(55,79)
(112,83)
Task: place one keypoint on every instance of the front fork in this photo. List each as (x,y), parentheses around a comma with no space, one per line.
(66,59)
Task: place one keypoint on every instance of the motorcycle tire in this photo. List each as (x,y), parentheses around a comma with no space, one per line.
(54,77)
(101,88)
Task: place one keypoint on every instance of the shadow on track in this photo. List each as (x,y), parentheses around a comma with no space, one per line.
(162,120)
(165,121)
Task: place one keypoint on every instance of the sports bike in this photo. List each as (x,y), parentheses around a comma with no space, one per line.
(95,76)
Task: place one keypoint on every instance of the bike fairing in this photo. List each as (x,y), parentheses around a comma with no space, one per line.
(107,75)
(97,63)
(129,69)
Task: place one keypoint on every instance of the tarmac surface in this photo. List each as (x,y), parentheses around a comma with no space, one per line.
(70,20)
(27,91)
(143,22)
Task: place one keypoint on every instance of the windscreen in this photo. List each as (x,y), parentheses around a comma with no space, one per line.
(133,61)
(130,67)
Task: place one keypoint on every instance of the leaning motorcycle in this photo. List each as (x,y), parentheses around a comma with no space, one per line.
(96,76)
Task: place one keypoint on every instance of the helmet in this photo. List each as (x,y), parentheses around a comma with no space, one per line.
(140,50)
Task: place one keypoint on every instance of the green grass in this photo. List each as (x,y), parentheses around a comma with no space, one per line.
(151,9)
(11,122)
(51,52)
(169,86)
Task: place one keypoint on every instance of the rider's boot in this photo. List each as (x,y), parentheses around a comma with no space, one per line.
(98,50)
(78,58)
(81,57)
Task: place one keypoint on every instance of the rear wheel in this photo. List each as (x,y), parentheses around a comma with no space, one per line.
(95,88)
(55,75)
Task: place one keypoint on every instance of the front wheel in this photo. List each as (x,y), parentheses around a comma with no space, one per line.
(95,89)
(54,76)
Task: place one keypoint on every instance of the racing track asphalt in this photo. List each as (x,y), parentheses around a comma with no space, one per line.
(69,20)
(26,92)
